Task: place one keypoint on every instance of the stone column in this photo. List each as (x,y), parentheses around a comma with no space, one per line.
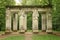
(43,16)
(49,22)
(22,21)
(35,21)
(8,21)
(15,22)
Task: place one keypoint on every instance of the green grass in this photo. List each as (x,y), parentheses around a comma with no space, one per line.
(34,37)
(29,30)
(1,32)
(56,31)
(14,38)
(45,37)
(32,30)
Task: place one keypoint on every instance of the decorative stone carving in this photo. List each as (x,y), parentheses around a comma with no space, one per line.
(35,21)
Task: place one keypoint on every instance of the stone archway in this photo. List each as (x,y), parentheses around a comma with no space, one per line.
(20,12)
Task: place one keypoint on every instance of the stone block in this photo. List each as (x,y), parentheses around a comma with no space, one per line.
(35,31)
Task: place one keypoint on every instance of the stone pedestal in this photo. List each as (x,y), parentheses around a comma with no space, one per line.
(49,22)
(35,21)
(43,22)
(8,21)
(15,22)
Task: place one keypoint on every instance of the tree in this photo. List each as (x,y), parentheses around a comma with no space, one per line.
(3,4)
(34,2)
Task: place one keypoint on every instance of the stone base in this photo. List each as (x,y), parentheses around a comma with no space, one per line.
(7,32)
(14,30)
(25,30)
(49,31)
(35,31)
(43,30)
(22,31)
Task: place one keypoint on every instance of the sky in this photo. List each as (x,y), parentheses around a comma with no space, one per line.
(18,2)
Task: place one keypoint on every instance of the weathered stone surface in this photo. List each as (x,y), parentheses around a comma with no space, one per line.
(22,21)
(35,21)
(22,30)
(43,21)
(43,30)
(8,20)
(15,22)
(49,22)
(25,21)
(46,17)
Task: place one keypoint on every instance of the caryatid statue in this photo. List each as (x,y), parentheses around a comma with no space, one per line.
(35,20)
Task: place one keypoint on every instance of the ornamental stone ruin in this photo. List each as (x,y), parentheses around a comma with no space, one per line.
(17,16)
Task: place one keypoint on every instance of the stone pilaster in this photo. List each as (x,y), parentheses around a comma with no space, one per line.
(35,20)
(25,22)
(15,22)
(49,22)
(43,16)
(8,21)
(22,21)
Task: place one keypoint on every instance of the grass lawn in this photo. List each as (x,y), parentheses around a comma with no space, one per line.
(14,38)
(31,30)
(34,37)
(1,32)
(45,37)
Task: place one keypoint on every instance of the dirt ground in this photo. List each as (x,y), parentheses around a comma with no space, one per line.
(28,35)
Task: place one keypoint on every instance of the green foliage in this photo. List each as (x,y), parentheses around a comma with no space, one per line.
(35,2)
(3,3)
(56,14)
(55,11)
(15,38)
(2,18)
(29,20)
